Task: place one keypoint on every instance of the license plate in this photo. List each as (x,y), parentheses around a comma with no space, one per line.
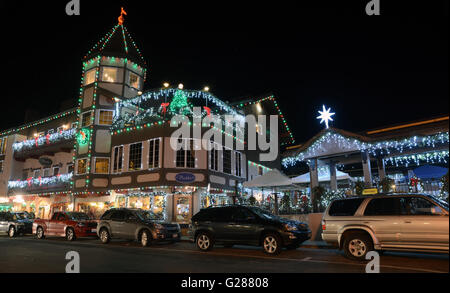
(174,235)
(94,230)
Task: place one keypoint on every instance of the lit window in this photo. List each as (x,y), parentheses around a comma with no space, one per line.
(101,165)
(153,155)
(106,117)
(109,74)
(134,80)
(3,142)
(82,166)
(90,77)
(86,119)
(135,160)
(118,159)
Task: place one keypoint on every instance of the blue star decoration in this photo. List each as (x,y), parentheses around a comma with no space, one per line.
(325,116)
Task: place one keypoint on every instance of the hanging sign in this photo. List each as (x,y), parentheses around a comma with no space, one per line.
(185,177)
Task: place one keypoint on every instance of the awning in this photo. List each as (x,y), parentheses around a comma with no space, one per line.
(324,176)
(271,180)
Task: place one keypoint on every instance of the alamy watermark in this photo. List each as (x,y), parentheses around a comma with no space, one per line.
(232,128)
(373,266)
(73,266)
(73,7)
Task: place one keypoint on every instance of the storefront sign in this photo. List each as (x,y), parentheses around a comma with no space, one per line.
(46,162)
(370,191)
(185,177)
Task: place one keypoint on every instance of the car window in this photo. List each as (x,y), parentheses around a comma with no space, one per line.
(240,214)
(107,215)
(118,216)
(386,207)
(61,217)
(55,216)
(221,214)
(78,216)
(204,215)
(419,206)
(347,207)
(2,216)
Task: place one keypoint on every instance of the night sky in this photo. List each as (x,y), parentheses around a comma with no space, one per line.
(372,71)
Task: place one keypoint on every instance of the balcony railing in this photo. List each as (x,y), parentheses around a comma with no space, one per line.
(42,141)
(41,184)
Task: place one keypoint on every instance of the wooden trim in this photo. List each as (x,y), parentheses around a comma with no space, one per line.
(408,125)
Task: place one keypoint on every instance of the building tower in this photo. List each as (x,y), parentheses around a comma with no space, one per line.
(113,70)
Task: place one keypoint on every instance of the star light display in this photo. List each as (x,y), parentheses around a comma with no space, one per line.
(325,116)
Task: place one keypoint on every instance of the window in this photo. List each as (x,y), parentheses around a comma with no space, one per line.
(106,117)
(90,76)
(214,157)
(101,165)
(418,206)
(118,159)
(386,207)
(346,207)
(134,80)
(55,171)
(1,166)
(260,170)
(185,157)
(86,119)
(47,172)
(241,214)
(37,173)
(135,162)
(227,161)
(70,168)
(153,155)
(110,74)
(3,142)
(237,164)
(118,215)
(82,166)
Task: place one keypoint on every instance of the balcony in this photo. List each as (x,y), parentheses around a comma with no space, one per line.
(45,145)
(41,185)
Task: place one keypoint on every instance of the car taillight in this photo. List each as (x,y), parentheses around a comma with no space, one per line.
(324,225)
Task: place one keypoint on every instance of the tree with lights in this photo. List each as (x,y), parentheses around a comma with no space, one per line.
(179,104)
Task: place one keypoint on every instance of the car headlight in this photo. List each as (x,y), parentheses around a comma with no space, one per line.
(290,227)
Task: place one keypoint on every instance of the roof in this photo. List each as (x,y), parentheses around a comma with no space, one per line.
(117,43)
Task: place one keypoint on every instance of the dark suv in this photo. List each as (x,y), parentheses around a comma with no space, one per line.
(136,224)
(11,224)
(231,225)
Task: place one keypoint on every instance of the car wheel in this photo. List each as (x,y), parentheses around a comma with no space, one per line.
(272,244)
(12,232)
(70,234)
(357,245)
(204,241)
(104,236)
(40,233)
(146,238)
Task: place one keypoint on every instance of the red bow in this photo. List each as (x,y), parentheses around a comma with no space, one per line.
(48,138)
(208,110)
(29,181)
(164,106)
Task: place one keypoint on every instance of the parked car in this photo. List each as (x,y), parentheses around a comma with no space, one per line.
(136,224)
(66,224)
(413,222)
(11,225)
(230,225)
(24,217)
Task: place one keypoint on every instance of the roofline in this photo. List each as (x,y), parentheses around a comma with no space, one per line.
(422,122)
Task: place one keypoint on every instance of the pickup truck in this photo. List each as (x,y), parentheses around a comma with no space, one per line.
(66,224)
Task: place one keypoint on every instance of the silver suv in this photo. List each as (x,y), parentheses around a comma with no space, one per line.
(413,222)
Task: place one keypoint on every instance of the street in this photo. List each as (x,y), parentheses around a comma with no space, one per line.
(29,255)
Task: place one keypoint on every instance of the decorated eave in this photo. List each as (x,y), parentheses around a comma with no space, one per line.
(286,136)
(428,148)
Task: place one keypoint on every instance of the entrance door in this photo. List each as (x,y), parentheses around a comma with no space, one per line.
(182,208)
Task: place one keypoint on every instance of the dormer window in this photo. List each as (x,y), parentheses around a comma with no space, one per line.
(110,74)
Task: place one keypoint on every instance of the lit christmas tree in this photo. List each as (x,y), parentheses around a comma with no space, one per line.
(179,104)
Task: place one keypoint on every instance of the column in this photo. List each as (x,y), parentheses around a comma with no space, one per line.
(333,176)
(366,169)
(314,181)
(196,201)
(381,168)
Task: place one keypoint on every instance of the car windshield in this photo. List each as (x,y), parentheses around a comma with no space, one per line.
(78,216)
(263,214)
(20,216)
(147,215)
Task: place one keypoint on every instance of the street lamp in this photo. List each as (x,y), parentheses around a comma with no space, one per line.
(206,89)
(166,84)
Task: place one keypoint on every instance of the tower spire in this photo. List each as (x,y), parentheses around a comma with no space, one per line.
(121,18)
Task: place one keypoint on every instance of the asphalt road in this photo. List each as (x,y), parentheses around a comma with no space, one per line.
(29,255)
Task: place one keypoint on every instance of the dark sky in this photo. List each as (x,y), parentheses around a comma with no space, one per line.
(372,71)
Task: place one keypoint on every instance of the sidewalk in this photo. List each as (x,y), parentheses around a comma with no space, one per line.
(306,244)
